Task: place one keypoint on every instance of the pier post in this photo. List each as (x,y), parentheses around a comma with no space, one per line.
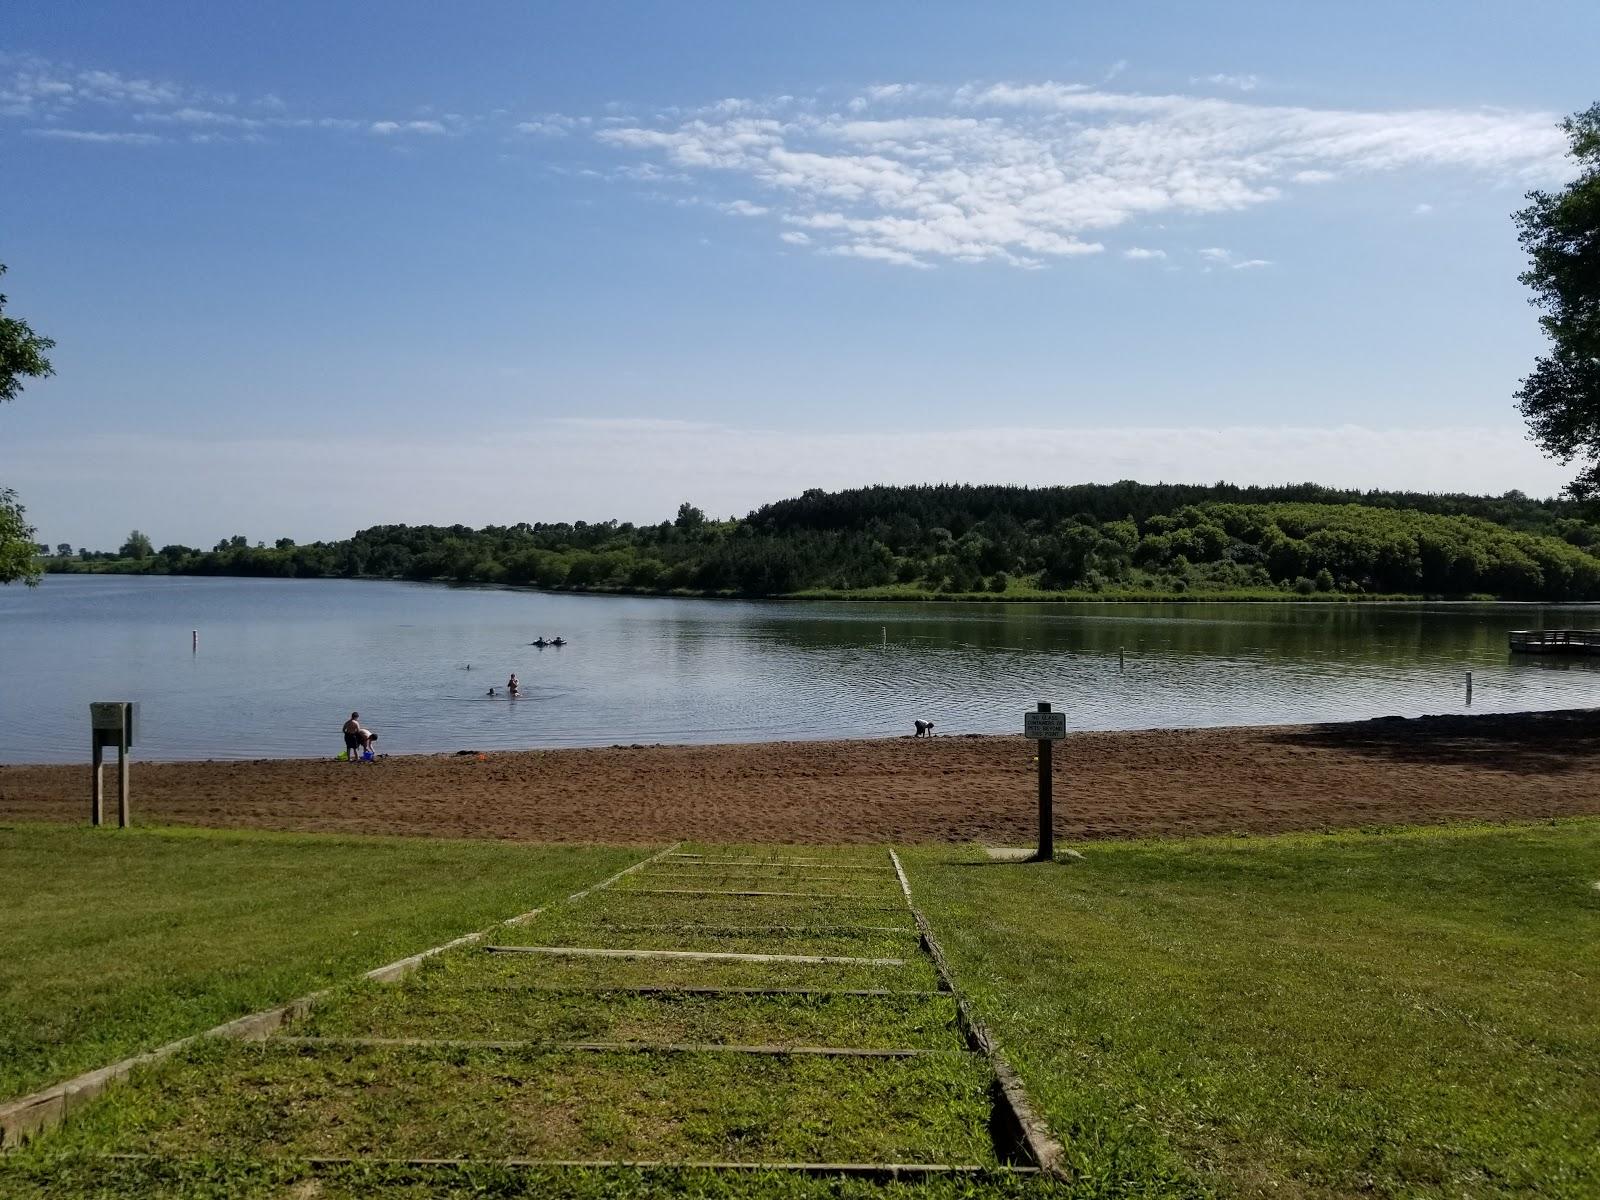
(1047,816)
(97,783)
(1469,687)
(124,817)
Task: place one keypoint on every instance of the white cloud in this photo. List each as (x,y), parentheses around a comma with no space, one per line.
(1422,210)
(389,128)
(38,90)
(1024,173)
(743,208)
(795,238)
(97,136)
(189,115)
(640,470)
(550,125)
(881,253)
(1140,252)
(1216,256)
(1241,83)
(110,87)
(37,87)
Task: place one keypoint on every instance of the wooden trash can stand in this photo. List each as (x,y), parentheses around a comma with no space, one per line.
(111,723)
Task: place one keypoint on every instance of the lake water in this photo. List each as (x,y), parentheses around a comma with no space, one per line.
(281,663)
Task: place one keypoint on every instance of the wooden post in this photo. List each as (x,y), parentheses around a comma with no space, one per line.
(123,816)
(1047,823)
(1469,687)
(194,641)
(97,792)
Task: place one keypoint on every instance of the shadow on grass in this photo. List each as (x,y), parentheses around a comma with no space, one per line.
(1539,743)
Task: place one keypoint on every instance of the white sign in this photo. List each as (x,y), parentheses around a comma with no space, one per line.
(1044,726)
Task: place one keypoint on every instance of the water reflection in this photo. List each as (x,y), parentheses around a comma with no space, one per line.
(281,662)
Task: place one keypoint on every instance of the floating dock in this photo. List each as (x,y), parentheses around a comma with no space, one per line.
(1555,641)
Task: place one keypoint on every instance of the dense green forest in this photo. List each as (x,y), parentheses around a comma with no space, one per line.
(1122,540)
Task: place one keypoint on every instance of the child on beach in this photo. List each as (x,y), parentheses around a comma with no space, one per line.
(357,739)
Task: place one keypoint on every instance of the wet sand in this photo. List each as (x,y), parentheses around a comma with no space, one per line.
(944,789)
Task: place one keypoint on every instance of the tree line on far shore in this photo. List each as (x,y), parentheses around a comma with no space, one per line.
(1122,540)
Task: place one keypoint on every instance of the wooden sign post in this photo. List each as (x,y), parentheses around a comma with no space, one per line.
(111,724)
(1045,727)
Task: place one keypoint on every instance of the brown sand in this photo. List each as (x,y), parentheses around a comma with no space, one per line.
(1196,781)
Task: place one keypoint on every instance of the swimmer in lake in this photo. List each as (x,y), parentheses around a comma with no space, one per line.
(512,685)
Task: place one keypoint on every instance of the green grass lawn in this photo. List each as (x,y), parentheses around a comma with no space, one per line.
(115,941)
(1403,1014)
(230,1119)
(1389,1014)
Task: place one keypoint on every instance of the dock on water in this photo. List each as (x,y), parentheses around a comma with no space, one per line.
(1555,641)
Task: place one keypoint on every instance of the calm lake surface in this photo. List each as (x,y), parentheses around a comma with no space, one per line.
(282,662)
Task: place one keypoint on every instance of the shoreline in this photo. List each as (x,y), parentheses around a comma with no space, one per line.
(871,596)
(960,788)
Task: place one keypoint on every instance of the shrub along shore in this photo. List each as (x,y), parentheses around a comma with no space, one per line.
(1124,541)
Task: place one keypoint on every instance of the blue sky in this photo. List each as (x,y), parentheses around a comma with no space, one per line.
(317,266)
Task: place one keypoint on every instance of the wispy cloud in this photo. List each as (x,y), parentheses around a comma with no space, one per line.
(97,136)
(63,98)
(1023,173)
(1139,253)
(906,173)
(1240,83)
(1216,256)
(553,125)
(390,128)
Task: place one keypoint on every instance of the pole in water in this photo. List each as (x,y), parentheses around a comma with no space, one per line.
(885,637)
(1469,687)
(194,641)
(1121,661)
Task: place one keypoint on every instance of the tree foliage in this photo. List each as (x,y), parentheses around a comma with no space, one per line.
(1560,231)
(137,546)
(22,356)
(1119,540)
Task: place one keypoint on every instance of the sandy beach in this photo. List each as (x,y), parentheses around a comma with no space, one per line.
(943,789)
